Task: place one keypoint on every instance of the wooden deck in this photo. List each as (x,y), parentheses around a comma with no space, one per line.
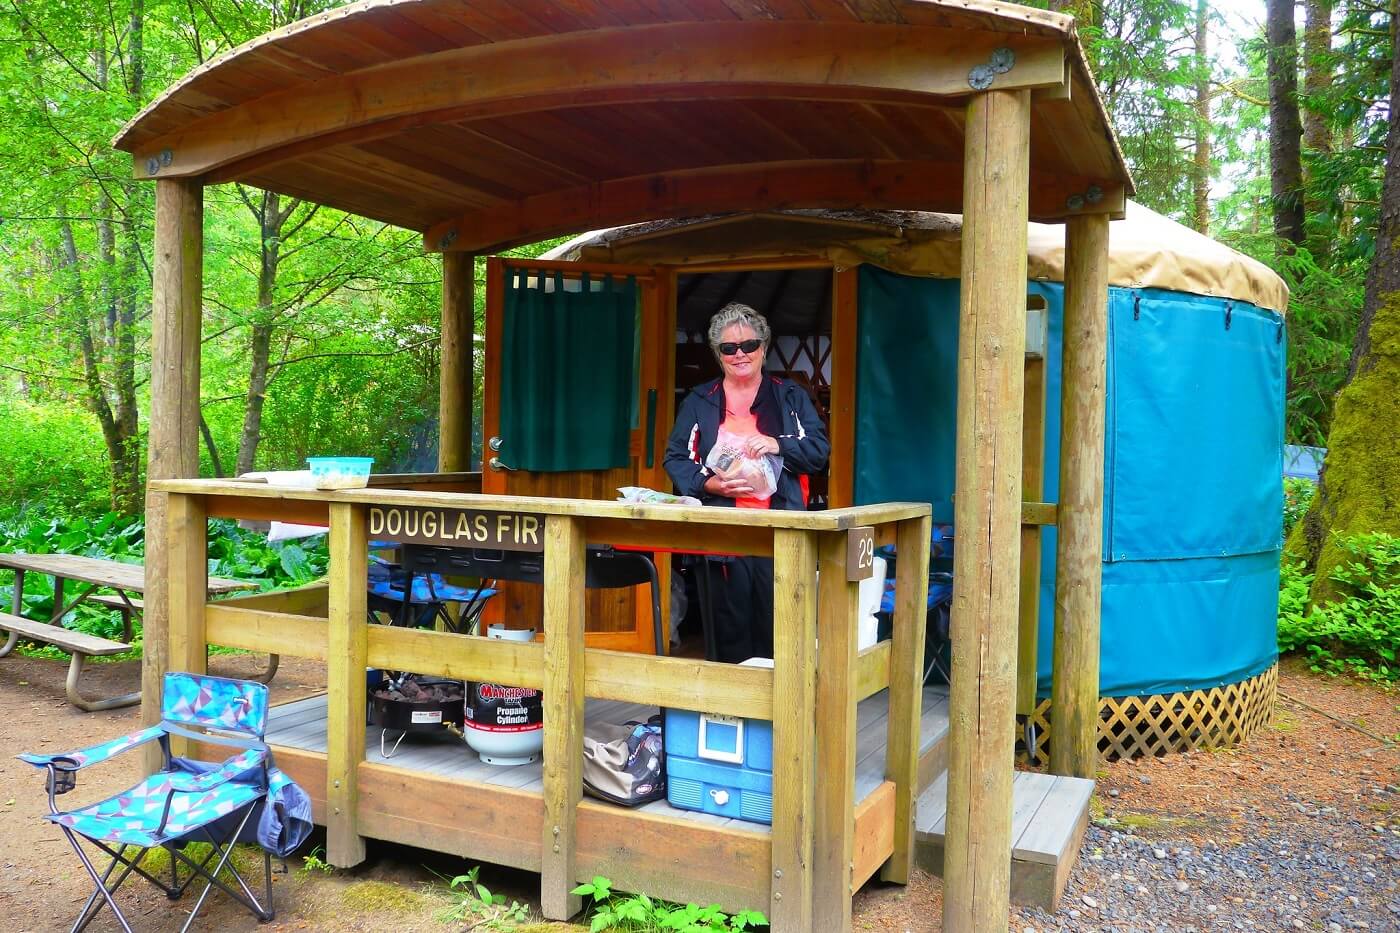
(1048,818)
(301,725)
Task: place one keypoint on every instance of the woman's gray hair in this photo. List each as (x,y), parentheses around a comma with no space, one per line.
(738,313)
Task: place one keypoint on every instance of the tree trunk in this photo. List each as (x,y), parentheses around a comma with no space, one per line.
(118,445)
(1285,130)
(1200,167)
(259,351)
(1084,11)
(210,446)
(271,217)
(1360,488)
(1317,134)
(1317,75)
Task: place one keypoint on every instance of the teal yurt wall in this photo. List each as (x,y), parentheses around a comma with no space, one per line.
(1193,459)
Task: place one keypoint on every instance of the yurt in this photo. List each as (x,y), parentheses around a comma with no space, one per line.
(1193,439)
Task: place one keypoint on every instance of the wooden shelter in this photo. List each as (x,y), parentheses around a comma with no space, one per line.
(488,123)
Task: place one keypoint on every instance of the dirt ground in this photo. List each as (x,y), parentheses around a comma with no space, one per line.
(1347,769)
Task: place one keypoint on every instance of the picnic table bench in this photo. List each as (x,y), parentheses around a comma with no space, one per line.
(129,582)
(80,645)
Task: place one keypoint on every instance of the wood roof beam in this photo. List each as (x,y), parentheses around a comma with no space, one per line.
(773,58)
(826,184)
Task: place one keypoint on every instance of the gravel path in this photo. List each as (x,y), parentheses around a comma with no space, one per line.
(1312,869)
(1297,830)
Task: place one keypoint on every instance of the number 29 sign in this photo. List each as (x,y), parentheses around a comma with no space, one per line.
(860,553)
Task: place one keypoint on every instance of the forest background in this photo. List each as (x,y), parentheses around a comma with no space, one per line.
(1262,123)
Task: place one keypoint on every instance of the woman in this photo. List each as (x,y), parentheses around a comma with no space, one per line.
(745,440)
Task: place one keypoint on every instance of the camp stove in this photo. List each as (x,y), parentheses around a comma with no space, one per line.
(414,703)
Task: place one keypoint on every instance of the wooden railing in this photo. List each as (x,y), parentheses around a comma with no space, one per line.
(815,860)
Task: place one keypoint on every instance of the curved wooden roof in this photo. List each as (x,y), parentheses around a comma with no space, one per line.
(486,123)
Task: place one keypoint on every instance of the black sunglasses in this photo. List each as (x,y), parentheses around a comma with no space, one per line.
(747,346)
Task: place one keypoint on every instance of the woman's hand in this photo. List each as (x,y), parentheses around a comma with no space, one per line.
(731,488)
(761,444)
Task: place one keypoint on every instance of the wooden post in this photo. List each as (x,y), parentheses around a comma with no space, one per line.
(837,605)
(906,688)
(987,513)
(187,529)
(455,376)
(794,734)
(173,442)
(347,651)
(1032,490)
(563,713)
(845,287)
(1074,700)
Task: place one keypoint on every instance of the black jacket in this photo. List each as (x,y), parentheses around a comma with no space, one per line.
(782,409)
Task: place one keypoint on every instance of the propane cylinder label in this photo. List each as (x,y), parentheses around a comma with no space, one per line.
(497,708)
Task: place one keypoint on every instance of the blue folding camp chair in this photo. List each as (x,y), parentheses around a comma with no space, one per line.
(186,801)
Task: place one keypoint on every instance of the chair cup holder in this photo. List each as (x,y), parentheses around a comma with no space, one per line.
(64,773)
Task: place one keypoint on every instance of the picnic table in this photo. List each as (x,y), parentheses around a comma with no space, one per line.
(90,573)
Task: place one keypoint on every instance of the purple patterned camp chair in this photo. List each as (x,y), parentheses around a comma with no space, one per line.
(184,802)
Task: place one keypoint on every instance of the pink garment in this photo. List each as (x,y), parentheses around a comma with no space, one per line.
(734,433)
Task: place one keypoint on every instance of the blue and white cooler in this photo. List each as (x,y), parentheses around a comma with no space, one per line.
(720,764)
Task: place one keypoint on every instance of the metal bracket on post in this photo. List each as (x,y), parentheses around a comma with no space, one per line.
(157,162)
(1092,195)
(981,76)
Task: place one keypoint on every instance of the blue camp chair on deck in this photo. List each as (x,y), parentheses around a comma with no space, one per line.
(186,801)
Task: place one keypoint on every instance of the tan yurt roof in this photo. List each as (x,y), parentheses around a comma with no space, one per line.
(1146,250)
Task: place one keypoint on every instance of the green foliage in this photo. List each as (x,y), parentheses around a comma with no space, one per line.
(315,861)
(638,913)
(1297,498)
(487,910)
(1140,52)
(1359,633)
(52,455)
(248,555)
(233,552)
(1326,276)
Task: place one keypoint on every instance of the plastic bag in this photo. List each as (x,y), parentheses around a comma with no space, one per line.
(651,497)
(730,459)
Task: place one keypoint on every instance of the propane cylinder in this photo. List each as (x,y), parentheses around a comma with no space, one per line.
(504,724)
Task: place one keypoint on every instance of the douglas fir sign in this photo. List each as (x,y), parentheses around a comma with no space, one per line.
(505,531)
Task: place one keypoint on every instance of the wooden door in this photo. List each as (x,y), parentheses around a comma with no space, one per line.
(618,618)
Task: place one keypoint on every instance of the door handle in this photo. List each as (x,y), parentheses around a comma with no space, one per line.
(495,464)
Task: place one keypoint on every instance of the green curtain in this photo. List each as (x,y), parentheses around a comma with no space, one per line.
(569,372)
(906,390)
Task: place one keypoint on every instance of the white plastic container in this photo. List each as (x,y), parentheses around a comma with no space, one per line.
(872,588)
(503,724)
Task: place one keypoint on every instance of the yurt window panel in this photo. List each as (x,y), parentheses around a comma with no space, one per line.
(1195,426)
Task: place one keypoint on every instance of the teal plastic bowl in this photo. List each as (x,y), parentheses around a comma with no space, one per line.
(340,472)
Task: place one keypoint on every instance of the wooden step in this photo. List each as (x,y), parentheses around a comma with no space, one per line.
(1048,818)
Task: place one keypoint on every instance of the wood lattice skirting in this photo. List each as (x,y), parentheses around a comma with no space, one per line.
(1166,723)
